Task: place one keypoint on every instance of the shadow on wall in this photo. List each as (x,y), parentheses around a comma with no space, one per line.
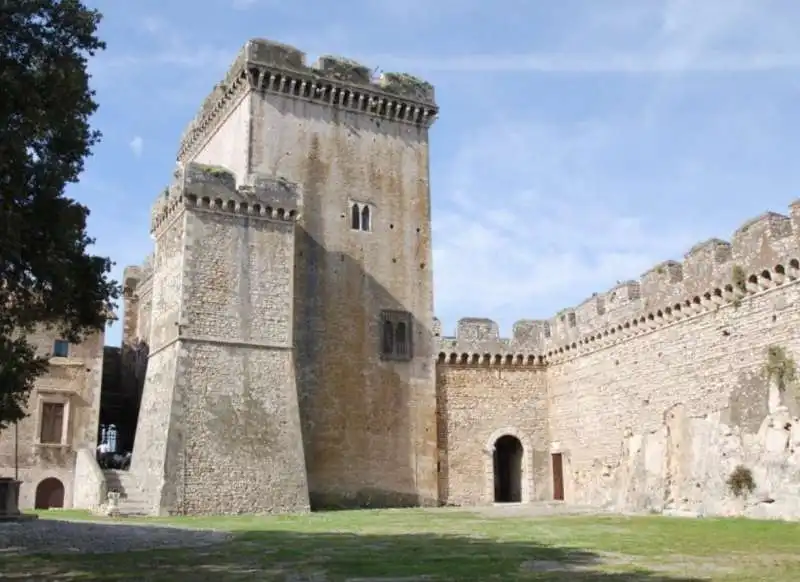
(362,417)
(356,410)
(124,372)
(317,556)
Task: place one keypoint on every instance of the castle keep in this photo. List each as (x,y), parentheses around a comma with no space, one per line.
(292,359)
(288,306)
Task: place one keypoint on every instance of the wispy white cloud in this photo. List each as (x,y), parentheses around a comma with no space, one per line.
(659,37)
(664,37)
(153,25)
(137,145)
(531,217)
(664,62)
(540,215)
(173,48)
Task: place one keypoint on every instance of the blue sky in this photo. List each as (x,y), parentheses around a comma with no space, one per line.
(579,142)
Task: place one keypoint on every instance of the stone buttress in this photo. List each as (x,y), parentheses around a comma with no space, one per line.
(219,426)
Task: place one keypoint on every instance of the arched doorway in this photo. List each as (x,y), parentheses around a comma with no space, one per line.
(50,494)
(507,470)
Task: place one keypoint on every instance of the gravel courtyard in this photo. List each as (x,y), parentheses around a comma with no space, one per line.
(66,537)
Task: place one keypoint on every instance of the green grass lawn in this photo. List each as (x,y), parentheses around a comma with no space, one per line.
(409,545)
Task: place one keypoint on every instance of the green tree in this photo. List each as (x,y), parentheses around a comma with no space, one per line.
(48,275)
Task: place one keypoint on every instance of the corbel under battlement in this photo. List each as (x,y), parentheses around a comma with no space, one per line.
(214,189)
(275,68)
(764,253)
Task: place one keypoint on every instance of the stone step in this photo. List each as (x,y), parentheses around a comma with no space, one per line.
(136,508)
(126,509)
(125,483)
(118,477)
(119,487)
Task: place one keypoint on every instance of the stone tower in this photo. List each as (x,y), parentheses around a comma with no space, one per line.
(219,425)
(290,351)
(363,278)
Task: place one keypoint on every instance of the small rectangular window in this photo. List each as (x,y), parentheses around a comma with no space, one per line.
(396,338)
(572,319)
(52,423)
(60,349)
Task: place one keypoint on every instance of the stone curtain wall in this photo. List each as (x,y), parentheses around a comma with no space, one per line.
(657,407)
(657,388)
(476,408)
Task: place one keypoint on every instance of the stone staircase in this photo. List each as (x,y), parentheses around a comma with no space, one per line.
(131,501)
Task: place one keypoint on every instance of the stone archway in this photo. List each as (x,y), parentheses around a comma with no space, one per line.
(49,494)
(507,469)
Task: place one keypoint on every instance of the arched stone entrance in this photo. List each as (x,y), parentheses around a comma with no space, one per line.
(49,494)
(507,469)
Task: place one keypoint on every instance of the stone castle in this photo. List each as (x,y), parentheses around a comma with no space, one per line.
(284,337)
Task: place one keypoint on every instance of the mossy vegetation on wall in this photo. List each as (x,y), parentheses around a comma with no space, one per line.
(346,69)
(741,482)
(405,84)
(739,277)
(216,171)
(780,367)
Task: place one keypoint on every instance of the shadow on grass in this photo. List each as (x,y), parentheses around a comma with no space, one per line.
(78,551)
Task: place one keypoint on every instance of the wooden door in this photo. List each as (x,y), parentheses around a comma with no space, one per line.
(558,477)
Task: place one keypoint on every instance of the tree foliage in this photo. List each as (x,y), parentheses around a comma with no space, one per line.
(48,275)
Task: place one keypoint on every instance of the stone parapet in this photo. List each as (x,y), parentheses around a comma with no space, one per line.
(763,253)
(275,68)
(478,343)
(213,188)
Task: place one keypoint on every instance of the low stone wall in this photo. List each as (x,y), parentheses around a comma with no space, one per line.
(9,498)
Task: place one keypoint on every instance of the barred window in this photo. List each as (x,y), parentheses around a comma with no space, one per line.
(396,335)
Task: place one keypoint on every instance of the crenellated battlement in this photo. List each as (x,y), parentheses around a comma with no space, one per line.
(478,343)
(713,272)
(270,67)
(135,276)
(764,253)
(213,188)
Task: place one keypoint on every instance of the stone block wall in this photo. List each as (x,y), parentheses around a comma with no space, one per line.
(227,438)
(476,407)
(657,388)
(694,352)
(349,142)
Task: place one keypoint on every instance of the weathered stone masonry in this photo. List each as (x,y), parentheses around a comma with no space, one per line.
(219,423)
(52,470)
(656,389)
(294,246)
(368,418)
